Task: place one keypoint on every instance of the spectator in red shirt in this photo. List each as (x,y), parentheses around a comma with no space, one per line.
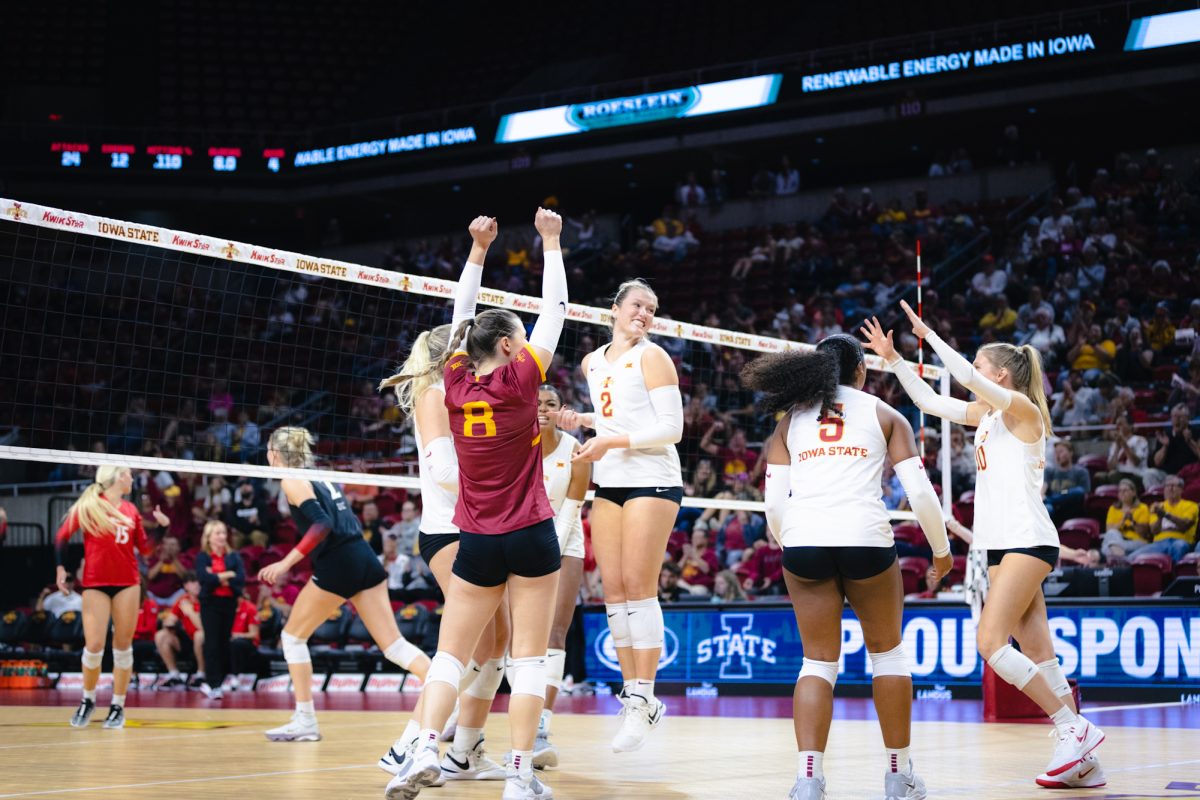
(761,570)
(182,631)
(163,582)
(147,626)
(245,637)
(735,457)
(698,563)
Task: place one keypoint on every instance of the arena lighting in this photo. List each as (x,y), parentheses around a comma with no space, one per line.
(959,61)
(1164,30)
(688,101)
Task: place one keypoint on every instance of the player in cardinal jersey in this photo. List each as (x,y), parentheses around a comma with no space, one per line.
(507,538)
(824,505)
(112,532)
(344,568)
(1011,523)
(638,418)
(566,486)
(421,393)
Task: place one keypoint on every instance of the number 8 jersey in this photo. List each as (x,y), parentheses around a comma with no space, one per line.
(620,406)
(493,419)
(837,476)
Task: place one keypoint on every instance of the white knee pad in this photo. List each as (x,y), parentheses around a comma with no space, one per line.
(826,670)
(528,676)
(445,668)
(1013,666)
(402,653)
(645,623)
(295,649)
(1052,671)
(556,664)
(892,663)
(618,624)
(487,683)
(92,660)
(470,673)
(123,659)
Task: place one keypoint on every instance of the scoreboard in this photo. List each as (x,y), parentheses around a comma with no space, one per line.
(166,157)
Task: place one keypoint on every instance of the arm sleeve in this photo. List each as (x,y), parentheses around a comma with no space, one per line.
(443,463)
(778,489)
(962,371)
(464,296)
(568,518)
(318,530)
(924,503)
(925,397)
(668,420)
(549,323)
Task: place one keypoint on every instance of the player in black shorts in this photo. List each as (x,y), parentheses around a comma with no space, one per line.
(344,568)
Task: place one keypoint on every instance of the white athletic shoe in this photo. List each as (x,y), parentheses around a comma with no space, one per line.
(392,762)
(1087,774)
(419,770)
(451,725)
(544,754)
(1080,739)
(640,718)
(528,787)
(903,785)
(808,789)
(116,718)
(475,767)
(301,728)
(83,714)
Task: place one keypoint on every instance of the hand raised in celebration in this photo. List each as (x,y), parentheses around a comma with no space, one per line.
(547,223)
(483,230)
(876,340)
(920,329)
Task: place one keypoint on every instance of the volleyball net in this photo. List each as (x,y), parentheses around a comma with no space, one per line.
(164,350)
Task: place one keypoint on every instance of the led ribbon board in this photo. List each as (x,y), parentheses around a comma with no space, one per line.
(1164,30)
(689,101)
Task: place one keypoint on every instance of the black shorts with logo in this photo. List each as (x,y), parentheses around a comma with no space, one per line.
(853,563)
(488,559)
(619,495)
(348,568)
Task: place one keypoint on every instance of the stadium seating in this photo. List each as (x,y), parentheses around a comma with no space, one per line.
(1151,573)
(1080,532)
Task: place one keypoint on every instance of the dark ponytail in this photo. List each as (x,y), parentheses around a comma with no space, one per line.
(797,378)
(481,335)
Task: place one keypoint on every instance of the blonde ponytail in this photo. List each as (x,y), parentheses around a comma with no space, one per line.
(93,513)
(421,369)
(1024,364)
(294,445)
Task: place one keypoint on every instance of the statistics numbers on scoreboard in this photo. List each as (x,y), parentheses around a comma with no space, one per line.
(165,158)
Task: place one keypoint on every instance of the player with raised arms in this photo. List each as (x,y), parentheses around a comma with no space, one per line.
(112,532)
(507,539)
(421,393)
(638,418)
(567,483)
(824,504)
(344,568)
(1012,422)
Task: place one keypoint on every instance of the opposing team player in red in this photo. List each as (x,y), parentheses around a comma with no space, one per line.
(1012,422)
(507,537)
(823,494)
(112,531)
(344,568)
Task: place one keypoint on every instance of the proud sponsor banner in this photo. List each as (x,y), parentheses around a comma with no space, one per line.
(342,682)
(384,683)
(1106,645)
(46,217)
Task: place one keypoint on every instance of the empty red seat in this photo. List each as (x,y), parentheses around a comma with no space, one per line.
(1096,504)
(1151,496)
(1081,532)
(1188,565)
(1093,463)
(912,570)
(1151,573)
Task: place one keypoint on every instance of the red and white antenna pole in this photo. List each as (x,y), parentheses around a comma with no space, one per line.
(920,343)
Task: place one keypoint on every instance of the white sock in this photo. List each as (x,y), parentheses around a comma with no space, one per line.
(118,700)
(522,761)
(897,760)
(645,689)
(411,730)
(1063,719)
(811,764)
(465,738)
(428,737)
(173,674)
(199,675)
(628,687)
(305,708)
(544,721)
(89,694)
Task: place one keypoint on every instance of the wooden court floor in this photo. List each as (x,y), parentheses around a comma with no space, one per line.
(219,753)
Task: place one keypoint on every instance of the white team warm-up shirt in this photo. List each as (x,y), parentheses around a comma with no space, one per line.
(621,405)
(837,476)
(1009,512)
(556,471)
(437,504)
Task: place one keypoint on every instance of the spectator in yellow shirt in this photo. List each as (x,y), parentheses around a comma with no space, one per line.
(1092,354)
(1002,319)
(1159,330)
(1174,525)
(1128,524)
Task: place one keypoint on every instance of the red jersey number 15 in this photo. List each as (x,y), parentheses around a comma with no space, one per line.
(476,414)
